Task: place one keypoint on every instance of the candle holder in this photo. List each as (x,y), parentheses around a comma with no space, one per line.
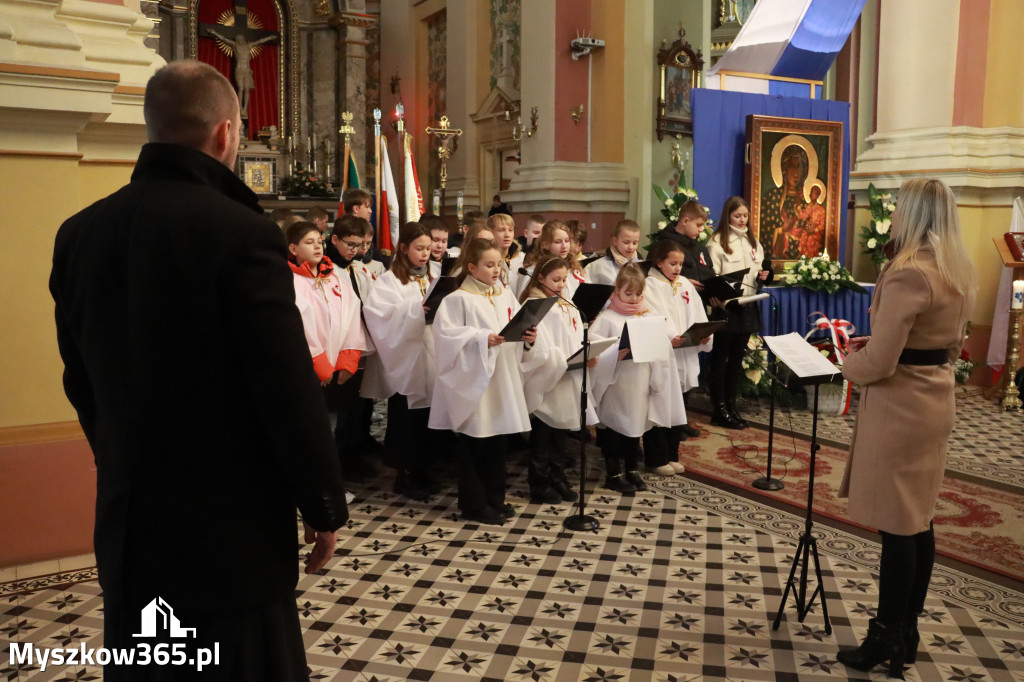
(1011,399)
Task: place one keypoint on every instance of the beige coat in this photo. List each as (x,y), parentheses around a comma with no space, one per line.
(898,449)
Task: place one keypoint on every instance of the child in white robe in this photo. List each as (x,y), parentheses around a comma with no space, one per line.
(503,228)
(631,396)
(479,391)
(395,316)
(625,241)
(674,296)
(555,239)
(552,393)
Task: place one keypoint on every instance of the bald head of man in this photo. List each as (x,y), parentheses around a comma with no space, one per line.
(191,104)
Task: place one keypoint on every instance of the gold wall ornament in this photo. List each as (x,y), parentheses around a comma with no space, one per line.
(322,8)
(446,138)
(576,113)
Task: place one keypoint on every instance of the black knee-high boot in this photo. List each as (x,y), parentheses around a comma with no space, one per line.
(924,546)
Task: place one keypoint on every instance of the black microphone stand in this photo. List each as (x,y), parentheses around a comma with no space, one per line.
(766,482)
(579,521)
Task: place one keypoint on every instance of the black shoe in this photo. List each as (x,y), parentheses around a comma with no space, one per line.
(636,480)
(689,431)
(911,638)
(487,515)
(507,510)
(619,484)
(406,485)
(565,490)
(883,643)
(736,416)
(722,417)
(545,496)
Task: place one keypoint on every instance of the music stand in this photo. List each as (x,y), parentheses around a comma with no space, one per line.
(766,482)
(808,545)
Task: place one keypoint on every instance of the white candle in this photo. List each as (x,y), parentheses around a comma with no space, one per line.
(1018,295)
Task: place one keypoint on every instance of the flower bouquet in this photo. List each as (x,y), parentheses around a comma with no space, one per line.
(963,367)
(819,273)
(875,236)
(304,183)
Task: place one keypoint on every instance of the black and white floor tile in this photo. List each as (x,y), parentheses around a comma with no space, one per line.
(681,582)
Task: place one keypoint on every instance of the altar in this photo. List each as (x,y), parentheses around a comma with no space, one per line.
(797,304)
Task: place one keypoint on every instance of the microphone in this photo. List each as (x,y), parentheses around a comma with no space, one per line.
(526,273)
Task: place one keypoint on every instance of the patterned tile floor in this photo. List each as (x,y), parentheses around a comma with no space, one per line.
(680,583)
(984,445)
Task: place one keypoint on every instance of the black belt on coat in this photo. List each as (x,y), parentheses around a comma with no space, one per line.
(916,356)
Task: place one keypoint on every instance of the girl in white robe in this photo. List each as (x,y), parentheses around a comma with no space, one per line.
(671,295)
(395,316)
(631,397)
(479,391)
(552,393)
(555,240)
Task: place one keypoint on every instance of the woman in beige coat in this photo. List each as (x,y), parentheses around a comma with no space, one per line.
(898,451)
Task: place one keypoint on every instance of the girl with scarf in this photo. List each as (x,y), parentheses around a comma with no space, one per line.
(396,319)
(631,397)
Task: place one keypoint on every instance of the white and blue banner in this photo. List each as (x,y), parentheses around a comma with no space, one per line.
(787,39)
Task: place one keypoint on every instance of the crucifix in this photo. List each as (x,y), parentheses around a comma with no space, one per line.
(241,41)
(445,148)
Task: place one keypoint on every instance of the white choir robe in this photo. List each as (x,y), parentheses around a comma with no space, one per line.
(681,304)
(632,397)
(405,342)
(373,386)
(511,276)
(479,390)
(435,268)
(604,270)
(330,317)
(552,393)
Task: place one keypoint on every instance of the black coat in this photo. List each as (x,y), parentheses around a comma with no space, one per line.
(697,264)
(186,361)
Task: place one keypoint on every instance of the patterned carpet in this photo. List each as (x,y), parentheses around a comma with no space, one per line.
(976,524)
(984,446)
(680,583)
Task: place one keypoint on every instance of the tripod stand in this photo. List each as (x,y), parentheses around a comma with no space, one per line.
(808,547)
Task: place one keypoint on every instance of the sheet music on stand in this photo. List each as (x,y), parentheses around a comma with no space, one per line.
(806,363)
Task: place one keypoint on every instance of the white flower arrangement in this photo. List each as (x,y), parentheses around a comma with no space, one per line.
(819,273)
(673,204)
(875,236)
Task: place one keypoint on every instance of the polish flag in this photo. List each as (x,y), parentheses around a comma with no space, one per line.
(413,196)
(387,237)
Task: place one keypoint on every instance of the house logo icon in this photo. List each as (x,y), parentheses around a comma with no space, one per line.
(159,616)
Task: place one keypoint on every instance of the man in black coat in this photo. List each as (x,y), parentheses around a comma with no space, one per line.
(186,361)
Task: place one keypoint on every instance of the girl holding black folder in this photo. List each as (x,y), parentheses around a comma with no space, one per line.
(552,393)
(733,247)
(395,317)
(479,390)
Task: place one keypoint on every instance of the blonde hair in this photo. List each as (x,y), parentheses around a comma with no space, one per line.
(626,224)
(926,217)
(631,277)
(502,219)
(544,242)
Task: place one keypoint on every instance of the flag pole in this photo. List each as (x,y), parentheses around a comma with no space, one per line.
(376,170)
(400,115)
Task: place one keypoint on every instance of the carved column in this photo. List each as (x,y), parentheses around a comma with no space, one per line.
(352,41)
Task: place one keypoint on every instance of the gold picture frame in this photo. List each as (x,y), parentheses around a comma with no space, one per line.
(680,69)
(259,176)
(794,182)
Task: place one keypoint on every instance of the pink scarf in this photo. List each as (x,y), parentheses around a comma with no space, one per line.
(623,308)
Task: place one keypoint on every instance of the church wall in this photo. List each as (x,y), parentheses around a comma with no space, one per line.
(638,108)
(1004,74)
(572,18)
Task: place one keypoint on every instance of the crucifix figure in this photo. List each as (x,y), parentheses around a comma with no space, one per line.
(241,39)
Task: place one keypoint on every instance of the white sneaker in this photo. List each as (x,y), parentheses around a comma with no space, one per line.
(677,467)
(663,470)
(349,497)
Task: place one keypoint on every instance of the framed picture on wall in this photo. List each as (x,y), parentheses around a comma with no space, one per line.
(259,175)
(679,67)
(794,182)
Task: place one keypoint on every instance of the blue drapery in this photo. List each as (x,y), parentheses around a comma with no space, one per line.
(796,304)
(719,137)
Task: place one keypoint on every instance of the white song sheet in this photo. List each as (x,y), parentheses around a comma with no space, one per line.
(648,338)
(803,359)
